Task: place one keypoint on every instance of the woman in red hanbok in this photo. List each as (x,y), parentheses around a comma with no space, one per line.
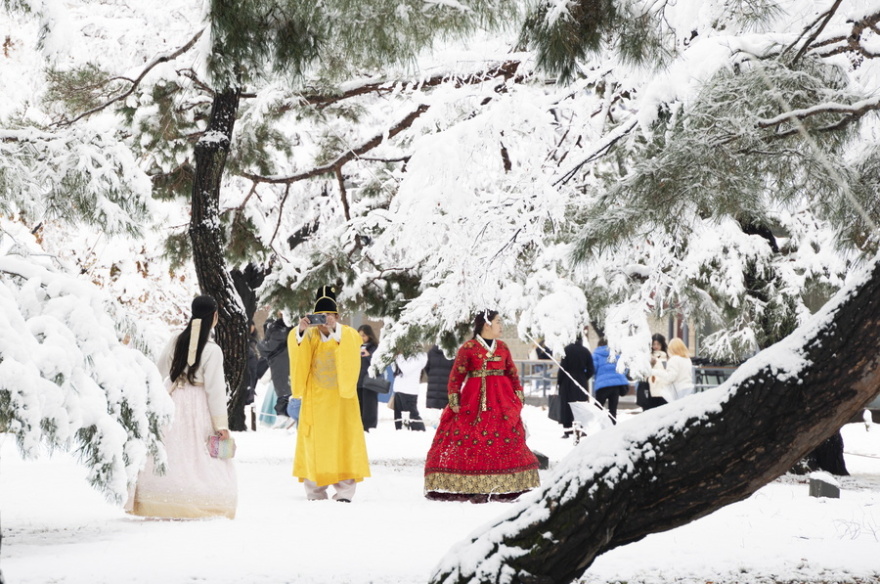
(479,451)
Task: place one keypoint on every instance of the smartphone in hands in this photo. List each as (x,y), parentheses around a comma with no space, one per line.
(315,319)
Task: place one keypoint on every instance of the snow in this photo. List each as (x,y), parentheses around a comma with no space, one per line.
(56,528)
(429,217)
(482,214)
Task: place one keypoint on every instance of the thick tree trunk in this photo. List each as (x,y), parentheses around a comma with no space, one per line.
(691,457)
(246,282)
(209,245)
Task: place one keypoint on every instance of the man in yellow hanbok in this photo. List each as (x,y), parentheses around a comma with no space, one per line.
(324,364)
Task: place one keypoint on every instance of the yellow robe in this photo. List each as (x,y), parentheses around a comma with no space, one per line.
(330,445)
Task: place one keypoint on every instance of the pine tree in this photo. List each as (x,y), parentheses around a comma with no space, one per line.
(763,135)
(71,378)
(255,49)
(250,40)
(751,154)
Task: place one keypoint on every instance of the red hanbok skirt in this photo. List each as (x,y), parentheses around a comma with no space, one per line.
(486,455)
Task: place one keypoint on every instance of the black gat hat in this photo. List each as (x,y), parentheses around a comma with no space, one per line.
(325,300)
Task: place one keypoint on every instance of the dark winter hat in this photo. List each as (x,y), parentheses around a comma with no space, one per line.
(325,301)
(203,306)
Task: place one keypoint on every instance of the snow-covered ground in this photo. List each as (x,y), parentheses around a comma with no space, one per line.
(57,529)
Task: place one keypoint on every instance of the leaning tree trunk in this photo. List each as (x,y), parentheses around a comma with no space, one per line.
(828,456)
(208,246)
(691,457)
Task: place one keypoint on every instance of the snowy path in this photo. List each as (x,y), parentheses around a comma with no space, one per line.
(57,529)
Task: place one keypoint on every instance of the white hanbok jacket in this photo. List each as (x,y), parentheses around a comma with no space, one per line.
(209,374)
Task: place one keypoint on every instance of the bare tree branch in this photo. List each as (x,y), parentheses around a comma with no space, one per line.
(340,180)
(827,16)
(135,82)
(344,158)
(506,70)
(851,43)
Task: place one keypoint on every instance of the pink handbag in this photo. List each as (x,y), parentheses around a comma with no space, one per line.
(218,448)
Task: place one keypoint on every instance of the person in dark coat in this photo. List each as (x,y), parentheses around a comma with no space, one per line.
(274,348)
(256,364)
(578,363)
(368,400)
(437,370)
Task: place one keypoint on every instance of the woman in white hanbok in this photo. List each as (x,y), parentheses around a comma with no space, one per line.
(194,484)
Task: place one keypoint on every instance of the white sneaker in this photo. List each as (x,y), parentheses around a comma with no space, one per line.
(281,422)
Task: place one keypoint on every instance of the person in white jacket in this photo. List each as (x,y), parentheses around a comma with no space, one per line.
(407,385)
(676,380)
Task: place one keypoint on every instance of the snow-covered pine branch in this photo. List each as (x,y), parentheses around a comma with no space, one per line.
(67,379)
(78,175)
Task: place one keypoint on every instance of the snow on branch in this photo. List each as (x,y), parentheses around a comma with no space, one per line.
(347,156)
(689,458)
(79,174)
(134,83)
(506,70)
(855,111)
(598,150)
(67,380)
(853,42)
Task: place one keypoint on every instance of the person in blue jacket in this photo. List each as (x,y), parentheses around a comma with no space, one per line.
(608,384)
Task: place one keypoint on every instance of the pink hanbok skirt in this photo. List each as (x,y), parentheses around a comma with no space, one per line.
(194,484)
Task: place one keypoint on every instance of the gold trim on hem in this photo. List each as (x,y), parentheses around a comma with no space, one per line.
(481,484)
(169,510)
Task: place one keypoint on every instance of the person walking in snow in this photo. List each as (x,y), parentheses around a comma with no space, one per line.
(368,400)
(608,385)
(274,348)
(194,485)
(437,369)
(648,394)
(575,370)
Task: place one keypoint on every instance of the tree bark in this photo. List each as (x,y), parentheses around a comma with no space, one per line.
(246,282)
(829,455)
(700,453)
(209,245)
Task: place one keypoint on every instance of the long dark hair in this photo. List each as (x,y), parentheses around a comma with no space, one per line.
(481,319)
(660,339)
(371,336)
(203,307)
